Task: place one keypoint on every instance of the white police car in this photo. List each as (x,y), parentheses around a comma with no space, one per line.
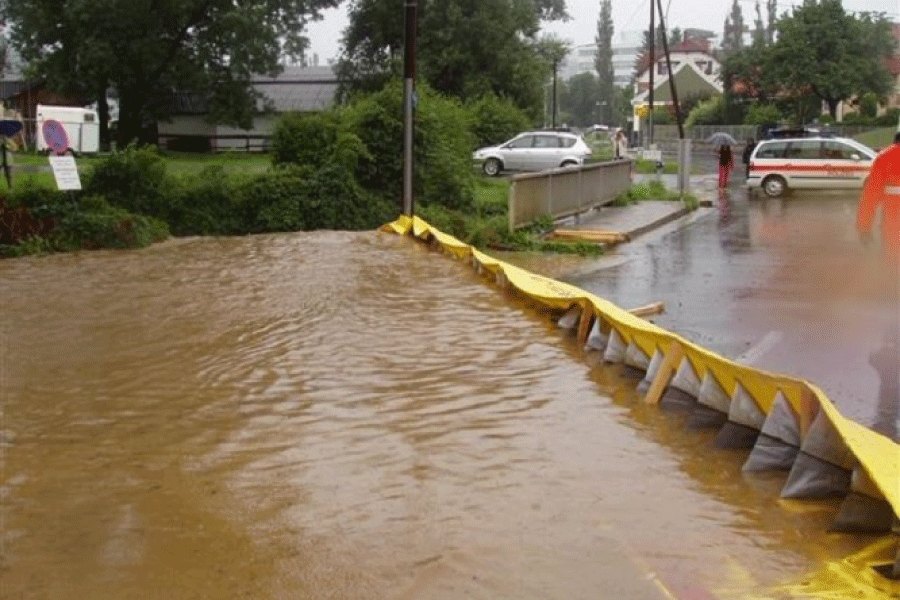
(814,162)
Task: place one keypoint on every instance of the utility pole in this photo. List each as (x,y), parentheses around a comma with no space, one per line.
(409,93)
(652,69)
(672,89)
(553,120)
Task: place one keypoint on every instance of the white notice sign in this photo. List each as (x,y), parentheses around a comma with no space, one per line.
(66,172)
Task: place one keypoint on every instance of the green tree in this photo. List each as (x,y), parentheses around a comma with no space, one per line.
(466,48)
(603,61)
(759,28)
(149,49)
(733,34)
(833,55)
(579,100)
(771,23)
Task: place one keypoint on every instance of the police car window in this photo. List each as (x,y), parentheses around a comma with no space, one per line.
(837,150)
(804,149)
(772,150)
(523,142)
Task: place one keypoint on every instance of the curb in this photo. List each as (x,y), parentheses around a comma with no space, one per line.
(659,222)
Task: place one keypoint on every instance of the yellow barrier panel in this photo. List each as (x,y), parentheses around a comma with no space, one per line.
(876,455)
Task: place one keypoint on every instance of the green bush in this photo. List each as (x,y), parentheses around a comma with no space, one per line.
(763,114)
(889,118)
(133,179)
(203,204)
(298,198)
(708,112)
(495,120)
(443,147)
(96,224)
(305,139)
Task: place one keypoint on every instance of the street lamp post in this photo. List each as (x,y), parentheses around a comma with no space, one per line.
(409,68)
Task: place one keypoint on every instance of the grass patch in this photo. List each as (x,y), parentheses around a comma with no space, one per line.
(653,190)
(877,138)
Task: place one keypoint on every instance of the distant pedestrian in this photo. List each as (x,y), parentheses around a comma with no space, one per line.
(620,143)
(726,164)
(748,150)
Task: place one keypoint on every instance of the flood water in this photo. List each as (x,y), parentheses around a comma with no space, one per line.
(348,415)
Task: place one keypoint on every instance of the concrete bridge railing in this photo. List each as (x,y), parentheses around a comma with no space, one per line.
(566,191)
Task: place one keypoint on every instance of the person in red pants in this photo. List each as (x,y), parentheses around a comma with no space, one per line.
(726,164)
(882,188)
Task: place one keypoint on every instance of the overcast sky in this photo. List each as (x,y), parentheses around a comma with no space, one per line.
(628,15)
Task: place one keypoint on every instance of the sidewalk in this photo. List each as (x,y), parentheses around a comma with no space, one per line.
(611,225)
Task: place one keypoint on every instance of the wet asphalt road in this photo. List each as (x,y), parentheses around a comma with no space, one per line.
(782,284)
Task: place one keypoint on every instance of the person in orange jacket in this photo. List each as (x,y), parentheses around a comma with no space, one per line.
(882,187)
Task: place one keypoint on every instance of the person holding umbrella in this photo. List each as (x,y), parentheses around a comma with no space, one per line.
(726,158)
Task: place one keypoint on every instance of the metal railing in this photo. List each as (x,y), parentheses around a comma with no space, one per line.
(566,191)
(212,143)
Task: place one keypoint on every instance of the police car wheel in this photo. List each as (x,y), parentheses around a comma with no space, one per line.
(774,186)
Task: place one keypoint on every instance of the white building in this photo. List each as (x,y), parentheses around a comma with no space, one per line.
(626,47)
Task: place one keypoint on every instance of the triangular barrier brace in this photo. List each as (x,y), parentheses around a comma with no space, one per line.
(713,395)
(824,442)
(615,348)
(861,513)
(744,410)
(736,436)
(652,370)
(675,399)
(502,281)
(570,319)
(895,573)
(596,340)
(705,417)
(812,477)
(771,454)
(781,422)
(686,378)
(636,358)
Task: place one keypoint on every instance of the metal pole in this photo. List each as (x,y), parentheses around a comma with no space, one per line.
(652,69)
(409,106)
(553,122)
(5,163)
(662,25)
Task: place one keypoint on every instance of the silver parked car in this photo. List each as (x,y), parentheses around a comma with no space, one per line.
(533,151)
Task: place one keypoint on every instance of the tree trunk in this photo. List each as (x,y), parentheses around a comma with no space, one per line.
(129,122)
(832,107)
(103,114)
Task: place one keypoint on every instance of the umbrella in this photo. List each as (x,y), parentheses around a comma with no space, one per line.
(720,138)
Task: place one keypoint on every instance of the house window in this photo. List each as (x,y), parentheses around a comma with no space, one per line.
(661,69)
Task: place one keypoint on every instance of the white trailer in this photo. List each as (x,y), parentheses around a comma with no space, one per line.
(81,124)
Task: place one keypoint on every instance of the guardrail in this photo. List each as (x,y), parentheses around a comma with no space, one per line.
(566,191)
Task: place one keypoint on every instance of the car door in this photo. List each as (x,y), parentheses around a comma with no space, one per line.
(547,153)
(847,166)
(517,153)
(804,166)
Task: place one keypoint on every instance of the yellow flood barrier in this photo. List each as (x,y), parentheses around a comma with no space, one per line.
(788,423)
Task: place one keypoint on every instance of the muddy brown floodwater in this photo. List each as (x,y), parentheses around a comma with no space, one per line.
(348,415)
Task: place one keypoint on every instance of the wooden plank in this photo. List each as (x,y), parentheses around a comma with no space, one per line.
(648,309)
(584,324)
(807,410)
(666,371)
